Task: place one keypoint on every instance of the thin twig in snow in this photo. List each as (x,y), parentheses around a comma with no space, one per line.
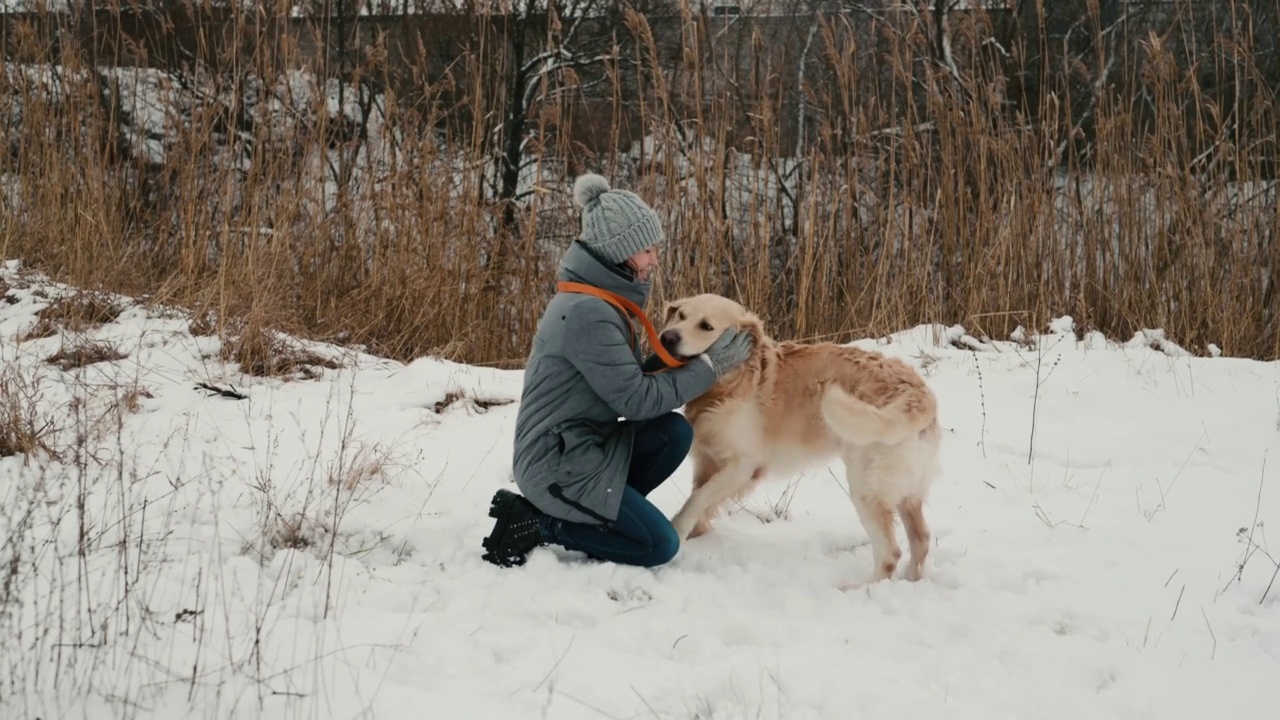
(1250,545)
(1095,493)
(589,707)
(646,702)
(230,391)
(1213,653)
(982,399)
(1269,584)
(556,665)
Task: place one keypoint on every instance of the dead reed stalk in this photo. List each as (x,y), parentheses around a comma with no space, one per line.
(843,174)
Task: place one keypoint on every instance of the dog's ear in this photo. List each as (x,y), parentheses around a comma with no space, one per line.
(670,311)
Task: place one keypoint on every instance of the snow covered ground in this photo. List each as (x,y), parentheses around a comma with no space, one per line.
(313,550)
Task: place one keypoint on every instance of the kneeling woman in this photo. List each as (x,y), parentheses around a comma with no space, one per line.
(585,475)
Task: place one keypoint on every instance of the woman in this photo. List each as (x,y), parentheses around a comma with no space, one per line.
(584,473)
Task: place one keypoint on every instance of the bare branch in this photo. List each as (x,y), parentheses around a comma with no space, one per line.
(942,32)
(800,76)
(1099,84)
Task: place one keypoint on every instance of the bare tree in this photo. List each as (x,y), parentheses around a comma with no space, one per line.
(552,46)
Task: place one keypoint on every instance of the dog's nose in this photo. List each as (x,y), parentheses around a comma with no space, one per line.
(669,339)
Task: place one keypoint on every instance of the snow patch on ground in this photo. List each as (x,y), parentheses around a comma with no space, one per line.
(314,549)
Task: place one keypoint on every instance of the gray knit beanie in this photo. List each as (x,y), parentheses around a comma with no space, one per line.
(616,224)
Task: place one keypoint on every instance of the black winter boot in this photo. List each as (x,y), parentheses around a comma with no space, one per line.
(515,530)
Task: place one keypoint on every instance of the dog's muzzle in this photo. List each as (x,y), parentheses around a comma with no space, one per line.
(670,340)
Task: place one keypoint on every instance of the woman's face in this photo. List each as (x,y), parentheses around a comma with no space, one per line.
(644,262)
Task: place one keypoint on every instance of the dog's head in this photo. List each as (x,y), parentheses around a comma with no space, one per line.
(692,324)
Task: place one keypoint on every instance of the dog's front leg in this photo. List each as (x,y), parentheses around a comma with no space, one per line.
(730,480)
(705,467)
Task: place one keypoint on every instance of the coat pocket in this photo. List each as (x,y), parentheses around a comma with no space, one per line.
(583,451)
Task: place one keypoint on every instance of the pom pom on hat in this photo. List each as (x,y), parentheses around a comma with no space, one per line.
(589,187)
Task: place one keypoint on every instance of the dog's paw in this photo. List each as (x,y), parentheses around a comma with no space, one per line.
(851,585)
(683,527)
(699,528)
(865,582)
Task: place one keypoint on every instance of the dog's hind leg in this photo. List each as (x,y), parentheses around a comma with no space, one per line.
(876,514)
(912,512)
(730,480)
(877,518)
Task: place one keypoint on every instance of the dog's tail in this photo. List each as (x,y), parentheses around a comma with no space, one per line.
(861,423)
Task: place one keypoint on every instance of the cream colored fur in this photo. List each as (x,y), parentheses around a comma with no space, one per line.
(794,406)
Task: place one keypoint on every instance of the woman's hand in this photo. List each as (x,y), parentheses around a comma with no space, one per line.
(730,350)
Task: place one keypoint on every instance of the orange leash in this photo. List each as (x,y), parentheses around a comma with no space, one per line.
(628,308)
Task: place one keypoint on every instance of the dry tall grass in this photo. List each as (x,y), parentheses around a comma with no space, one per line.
(843,174)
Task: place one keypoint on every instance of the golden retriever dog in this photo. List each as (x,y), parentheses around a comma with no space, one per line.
(792,406)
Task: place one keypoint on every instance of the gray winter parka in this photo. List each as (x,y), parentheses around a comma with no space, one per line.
(571,451)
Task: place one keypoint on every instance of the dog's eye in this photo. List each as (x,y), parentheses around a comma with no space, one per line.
(705,326)
(680,315)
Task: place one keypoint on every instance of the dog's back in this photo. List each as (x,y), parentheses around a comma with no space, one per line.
(819,398)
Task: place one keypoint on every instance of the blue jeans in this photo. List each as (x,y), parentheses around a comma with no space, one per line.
(641,535)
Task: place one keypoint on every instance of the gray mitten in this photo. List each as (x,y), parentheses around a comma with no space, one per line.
(730,350)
